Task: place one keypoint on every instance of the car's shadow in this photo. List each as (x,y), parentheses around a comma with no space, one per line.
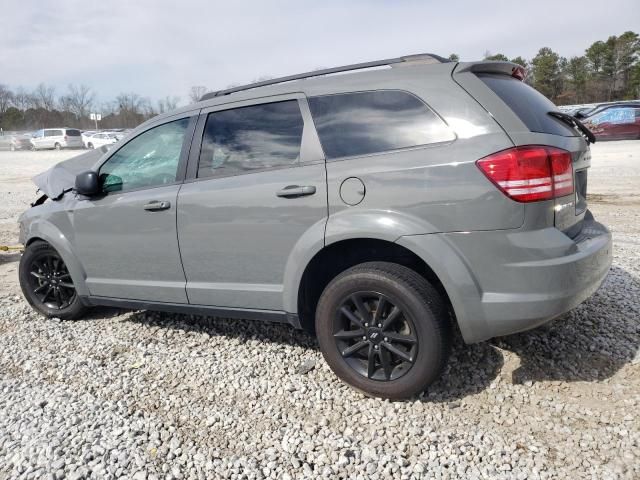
(590,343)
(9,257)
(243,330)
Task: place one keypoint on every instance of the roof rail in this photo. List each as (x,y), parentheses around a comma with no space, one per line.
(421,57)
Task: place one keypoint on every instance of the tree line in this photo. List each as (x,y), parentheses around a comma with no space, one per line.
(609,70)
(42,108)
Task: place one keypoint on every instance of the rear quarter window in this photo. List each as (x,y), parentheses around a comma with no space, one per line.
(528,104)
(362,123)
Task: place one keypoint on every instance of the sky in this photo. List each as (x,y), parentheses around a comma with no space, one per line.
(159,48)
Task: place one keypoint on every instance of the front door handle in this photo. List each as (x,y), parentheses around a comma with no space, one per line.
(293,191)
(156,205)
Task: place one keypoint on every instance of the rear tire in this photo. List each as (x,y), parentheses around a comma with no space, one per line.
(47,284)
(383,329)
(57,146)
(90,146)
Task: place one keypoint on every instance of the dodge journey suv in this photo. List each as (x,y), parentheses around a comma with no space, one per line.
(378,208)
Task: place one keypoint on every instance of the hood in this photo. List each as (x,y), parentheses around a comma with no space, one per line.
(61,177)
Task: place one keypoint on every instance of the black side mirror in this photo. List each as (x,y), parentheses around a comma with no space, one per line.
(87,183)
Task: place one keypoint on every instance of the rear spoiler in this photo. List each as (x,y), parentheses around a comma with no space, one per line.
(490,66)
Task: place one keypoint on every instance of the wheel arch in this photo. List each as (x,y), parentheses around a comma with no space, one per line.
(336,257)
(48,233)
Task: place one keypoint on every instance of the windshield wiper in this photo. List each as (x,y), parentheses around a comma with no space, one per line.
(574,122)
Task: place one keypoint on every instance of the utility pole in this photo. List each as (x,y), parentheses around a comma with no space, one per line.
(96,117)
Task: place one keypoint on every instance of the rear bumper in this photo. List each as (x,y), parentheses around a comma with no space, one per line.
(21,146)
(504,282)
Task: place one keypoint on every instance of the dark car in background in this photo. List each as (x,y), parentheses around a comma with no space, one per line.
(615,122)
(20,142)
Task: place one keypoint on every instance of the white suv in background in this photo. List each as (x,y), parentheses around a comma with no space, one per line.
(86,135)
(57,138)
(99,139)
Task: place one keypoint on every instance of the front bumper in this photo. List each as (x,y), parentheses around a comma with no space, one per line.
(503,282)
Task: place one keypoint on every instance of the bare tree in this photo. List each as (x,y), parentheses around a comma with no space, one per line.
(131,109)
(147,108)
(78,100)
(6,98)
(196,93)
(167,104)
(129,103)
(44,97)
(22,99)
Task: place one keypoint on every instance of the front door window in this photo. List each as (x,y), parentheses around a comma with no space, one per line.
(149,160)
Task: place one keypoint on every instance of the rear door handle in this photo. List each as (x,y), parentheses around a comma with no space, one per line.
(156,205)
(293,191)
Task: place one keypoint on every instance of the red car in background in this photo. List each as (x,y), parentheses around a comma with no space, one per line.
(615,122)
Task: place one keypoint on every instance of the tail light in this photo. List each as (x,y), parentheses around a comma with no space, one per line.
(531,173)
(519,72)
(65,138)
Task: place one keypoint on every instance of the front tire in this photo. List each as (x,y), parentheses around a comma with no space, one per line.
(383,329)
(47,284)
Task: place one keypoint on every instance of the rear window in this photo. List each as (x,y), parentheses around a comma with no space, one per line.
(528,104)
(362,123)
(73,133)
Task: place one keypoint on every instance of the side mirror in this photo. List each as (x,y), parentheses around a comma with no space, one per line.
(87,183)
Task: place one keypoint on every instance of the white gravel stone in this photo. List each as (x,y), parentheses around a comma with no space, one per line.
(161,396)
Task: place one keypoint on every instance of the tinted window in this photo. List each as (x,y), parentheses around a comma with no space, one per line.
(73,133)
(251,138)
(528,104)
(149,160)
(369,122)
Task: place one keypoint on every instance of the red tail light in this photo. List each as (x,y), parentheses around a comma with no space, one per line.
(519,72)
(65,137)
(531,173)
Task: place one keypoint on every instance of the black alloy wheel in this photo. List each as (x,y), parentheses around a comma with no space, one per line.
(47,283)
(50,281)
(383,329)
(375,336)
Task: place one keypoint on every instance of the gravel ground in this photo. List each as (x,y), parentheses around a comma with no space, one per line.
(154,395)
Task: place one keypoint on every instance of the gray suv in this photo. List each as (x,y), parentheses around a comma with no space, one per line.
(379,208)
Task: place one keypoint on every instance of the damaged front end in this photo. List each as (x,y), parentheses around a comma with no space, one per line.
(60,178)
(53,184)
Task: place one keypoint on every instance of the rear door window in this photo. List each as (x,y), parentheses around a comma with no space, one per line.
(362,123)
(253,138)
(528,104)
(73,133)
